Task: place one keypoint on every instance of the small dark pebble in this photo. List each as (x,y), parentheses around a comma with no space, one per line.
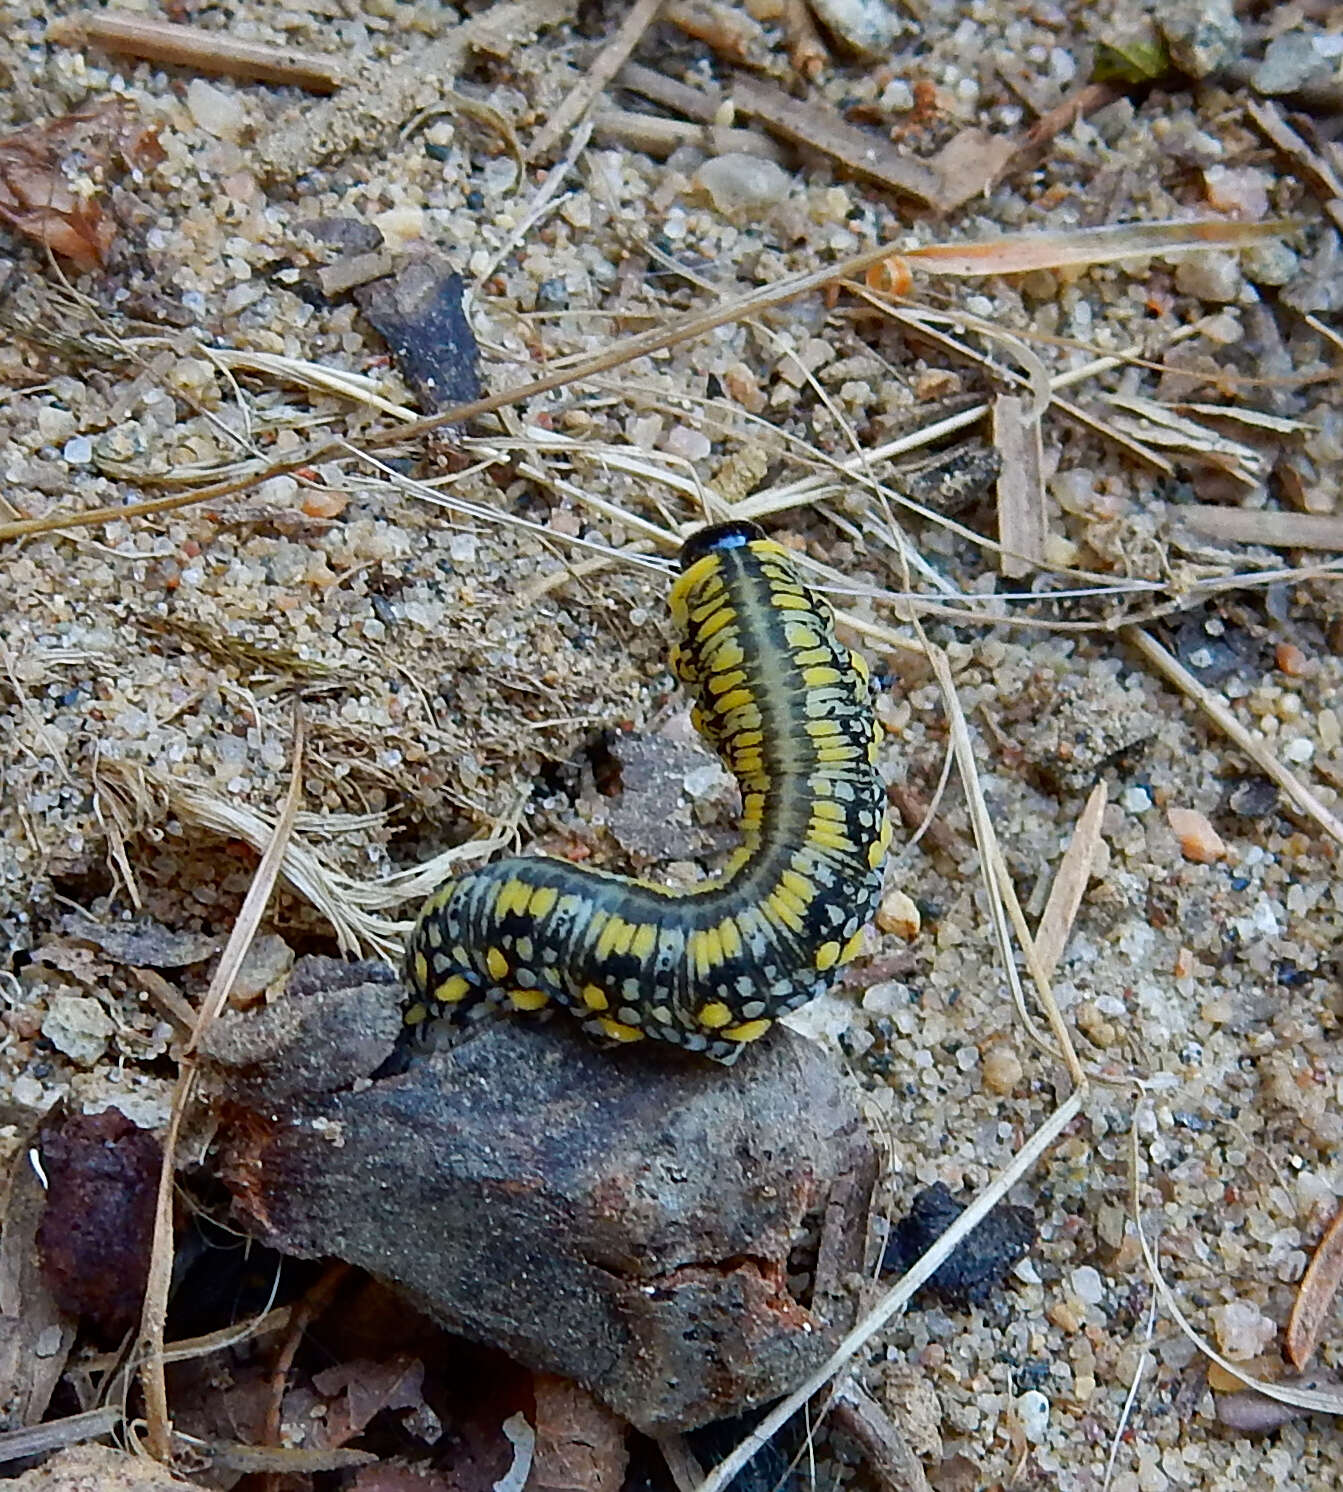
(475,200)
(437,152)
(1253,798)
(552,295)
(1195,1122)
(972,1272)
(1211,650)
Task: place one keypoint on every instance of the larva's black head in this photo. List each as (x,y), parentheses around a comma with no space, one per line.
(719,536)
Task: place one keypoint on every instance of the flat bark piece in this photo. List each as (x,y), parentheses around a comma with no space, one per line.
(337,1023)
(419,314)
(621,1218)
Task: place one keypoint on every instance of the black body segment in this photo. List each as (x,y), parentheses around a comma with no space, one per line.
(788,709)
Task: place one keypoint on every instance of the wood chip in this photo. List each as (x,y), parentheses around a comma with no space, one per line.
(818,127)
(683,98)
(1021,487)
(1316,1295)
(1268,526)
(201,51)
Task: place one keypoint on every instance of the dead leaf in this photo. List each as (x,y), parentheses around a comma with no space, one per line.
(1316,1295)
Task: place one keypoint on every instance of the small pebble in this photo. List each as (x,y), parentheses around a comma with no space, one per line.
(741,186)
(1088,1284)
(866,27)
(1211,277)
(216,112)
(898,914)
(78,451)
(1237,189)
(1002,1068)
(77,1026)
(1242,1330)
(1271,263)
(1290,62)
(681,440)
(1033,1412)
(1199,841)
(1202,35)
(1135,800)
(1290,659)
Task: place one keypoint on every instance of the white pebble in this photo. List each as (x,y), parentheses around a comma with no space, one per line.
(216,112)
(1135,800)
(681,440)
(1087,1284)
(1300,750)
(1033,1412)
(740,185)
(1242,1330)
(1210,276)
(78,451)
(462,549)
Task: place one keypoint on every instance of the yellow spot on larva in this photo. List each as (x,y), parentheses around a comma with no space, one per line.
(594,997)
(416,1015)
(513,896)
(827,955)
(798,884)
(460,955)
(527,999)
(496,963)
(720,683)
(850,949)
(860,666)
(748,1030)
(452,990)
(733,701)
(421,969)
(618,1030)
(880,845)
(714,1015)
(645,941)
(730,934)
(797,635)
(543,901)
(821,676)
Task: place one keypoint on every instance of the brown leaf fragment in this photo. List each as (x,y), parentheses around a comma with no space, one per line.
(580,1445)
(39,199)
(1316,1295)
(1251,1413)
(363,1388)
(102,1174)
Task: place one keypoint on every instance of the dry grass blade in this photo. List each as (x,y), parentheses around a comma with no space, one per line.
(1065,895)
(1018,253)
(151,1345)
(1318,1288)
(1218,712)
(899,1295)
(1315,1400)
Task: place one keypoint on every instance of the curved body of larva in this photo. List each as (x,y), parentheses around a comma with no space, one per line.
(788,709)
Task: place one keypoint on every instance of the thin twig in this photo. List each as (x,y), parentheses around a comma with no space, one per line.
(605,66)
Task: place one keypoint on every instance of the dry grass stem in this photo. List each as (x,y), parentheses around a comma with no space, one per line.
(150,1346)
(1316,1295)
(1272,528)
(1316,1401)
